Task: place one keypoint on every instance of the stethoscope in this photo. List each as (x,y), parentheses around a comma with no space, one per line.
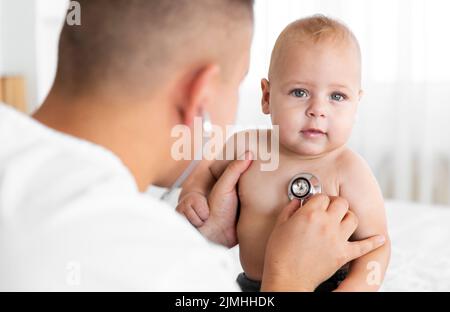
(303,186)
(206,134)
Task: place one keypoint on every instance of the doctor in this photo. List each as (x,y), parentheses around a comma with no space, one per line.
(73,212)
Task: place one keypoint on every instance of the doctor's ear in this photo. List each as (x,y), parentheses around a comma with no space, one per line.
(201,92)
(265,99)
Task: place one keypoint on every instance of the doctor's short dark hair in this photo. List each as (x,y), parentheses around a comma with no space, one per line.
(124,43)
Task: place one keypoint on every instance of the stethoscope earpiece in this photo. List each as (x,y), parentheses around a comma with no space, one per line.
(304,185)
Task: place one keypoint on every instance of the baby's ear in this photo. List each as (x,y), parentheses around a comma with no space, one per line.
(265,99)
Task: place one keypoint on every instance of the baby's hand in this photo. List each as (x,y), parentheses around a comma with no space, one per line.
(194,206)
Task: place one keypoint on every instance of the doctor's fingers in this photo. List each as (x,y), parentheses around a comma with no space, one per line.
(338,208)
(230,177)
(288,211)
(360,248)
(318,202)
(349,224)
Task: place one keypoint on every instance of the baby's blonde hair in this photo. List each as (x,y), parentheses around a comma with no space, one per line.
(316,29)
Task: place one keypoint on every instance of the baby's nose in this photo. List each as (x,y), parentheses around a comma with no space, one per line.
(316,110)
(316,114)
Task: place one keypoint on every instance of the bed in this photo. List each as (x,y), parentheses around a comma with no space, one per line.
(420,259)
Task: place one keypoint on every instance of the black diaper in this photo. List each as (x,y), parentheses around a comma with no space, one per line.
(248,285)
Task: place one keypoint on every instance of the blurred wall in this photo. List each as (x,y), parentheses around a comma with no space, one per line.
(28,39)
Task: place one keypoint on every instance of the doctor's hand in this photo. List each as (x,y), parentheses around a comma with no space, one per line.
(220,226)
(308,245)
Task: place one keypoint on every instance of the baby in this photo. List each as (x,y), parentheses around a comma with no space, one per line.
(312,95)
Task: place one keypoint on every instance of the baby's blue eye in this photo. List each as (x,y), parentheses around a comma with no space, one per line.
(338,97)
(300,93)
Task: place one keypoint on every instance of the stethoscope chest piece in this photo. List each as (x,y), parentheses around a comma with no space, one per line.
(304,185)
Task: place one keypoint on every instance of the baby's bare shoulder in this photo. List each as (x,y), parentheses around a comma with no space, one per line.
(250,140)
(352,167)
(360,188)
(253,140)
(358,184)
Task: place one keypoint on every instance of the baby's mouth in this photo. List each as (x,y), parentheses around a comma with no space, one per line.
(313,133)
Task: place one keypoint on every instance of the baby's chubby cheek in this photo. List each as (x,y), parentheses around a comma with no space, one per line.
(289,126)
(338,135)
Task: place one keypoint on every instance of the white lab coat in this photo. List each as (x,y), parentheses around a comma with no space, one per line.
(71,219)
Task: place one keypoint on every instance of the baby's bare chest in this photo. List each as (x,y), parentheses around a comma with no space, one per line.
(266,192)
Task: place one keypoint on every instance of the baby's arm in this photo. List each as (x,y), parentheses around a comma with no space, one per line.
(192,201)
(360,188)
(193,197)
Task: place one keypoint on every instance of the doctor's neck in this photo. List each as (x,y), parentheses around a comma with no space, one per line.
(129,129)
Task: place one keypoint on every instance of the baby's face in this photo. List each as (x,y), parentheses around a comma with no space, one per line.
(313,94)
